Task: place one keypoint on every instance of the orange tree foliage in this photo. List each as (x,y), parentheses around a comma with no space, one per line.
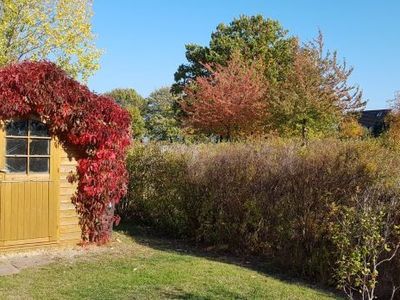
(94,124)
(229,102)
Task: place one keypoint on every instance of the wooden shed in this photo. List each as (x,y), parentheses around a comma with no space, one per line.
(42,109)
(35,195)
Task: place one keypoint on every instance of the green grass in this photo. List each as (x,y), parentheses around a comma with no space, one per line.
(150,269)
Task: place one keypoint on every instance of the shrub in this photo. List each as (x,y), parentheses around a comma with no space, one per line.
(366,237)
(155,190)
(272,199)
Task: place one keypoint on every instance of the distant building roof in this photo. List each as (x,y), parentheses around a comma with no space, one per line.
(374,120)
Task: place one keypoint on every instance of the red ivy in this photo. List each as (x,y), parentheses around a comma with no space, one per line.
(91,123)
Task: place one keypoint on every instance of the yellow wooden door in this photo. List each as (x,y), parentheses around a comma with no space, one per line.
(29,185)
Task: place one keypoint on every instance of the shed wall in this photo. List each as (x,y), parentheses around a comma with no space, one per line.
(69,230)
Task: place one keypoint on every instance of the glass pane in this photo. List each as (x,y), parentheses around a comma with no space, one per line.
(16,146)
(17,128)
(38,165)
(38,128)
(16,164)
(39,147)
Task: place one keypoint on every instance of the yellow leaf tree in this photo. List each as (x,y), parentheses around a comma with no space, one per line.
(57,30)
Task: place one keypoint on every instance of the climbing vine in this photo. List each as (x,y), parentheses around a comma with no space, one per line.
(93,124)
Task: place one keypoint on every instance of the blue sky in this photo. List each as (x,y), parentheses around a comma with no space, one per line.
(144,40)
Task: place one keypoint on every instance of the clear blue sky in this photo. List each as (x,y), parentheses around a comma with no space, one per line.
(144,40)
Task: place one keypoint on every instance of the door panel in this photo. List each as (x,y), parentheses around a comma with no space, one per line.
(29,204)
(28,211)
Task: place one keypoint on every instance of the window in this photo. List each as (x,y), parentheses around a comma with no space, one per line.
(27,147)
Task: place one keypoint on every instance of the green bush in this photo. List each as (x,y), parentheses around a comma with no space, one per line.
(272,199)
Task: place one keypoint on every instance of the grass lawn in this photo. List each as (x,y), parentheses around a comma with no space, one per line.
(150,268)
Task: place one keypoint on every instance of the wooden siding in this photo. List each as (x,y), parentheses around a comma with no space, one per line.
(69,230)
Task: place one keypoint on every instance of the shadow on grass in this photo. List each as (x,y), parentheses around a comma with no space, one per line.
(148,237)
(220,294)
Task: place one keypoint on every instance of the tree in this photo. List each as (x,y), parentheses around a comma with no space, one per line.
(134,104)
(230,102)
(308,88)
(137,122)
(59,30)
(162,122)
(315,96)
(254,37)
(127,97)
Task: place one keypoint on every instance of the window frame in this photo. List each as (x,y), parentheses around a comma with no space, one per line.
(27,156)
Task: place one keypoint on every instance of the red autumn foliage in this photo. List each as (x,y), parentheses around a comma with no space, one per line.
(92,123)
(229,102)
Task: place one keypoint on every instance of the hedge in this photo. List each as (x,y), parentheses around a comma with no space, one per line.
(274,199)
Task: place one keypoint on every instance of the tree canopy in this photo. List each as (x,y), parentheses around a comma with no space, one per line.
(315,96)
(162,122)
(252,36)
(135,104)
(56,30)
(127,97)
(308,94)
(230,102)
